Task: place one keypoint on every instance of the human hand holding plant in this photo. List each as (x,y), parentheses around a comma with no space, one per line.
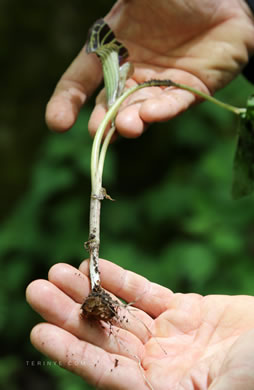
(103,43)
(203,44)
(194,341)
(190,342)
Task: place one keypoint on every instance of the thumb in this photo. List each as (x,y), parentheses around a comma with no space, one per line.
(237,371)
(73,89)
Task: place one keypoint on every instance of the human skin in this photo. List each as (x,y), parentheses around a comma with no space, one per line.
(204,44)
(208,340)
(193,342)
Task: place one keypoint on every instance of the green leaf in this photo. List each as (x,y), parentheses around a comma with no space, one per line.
(243,179)
(101,38)
(101,41)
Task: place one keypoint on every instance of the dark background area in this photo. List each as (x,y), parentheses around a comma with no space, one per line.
(174,220)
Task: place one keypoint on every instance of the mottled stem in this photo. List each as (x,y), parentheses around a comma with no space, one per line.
(97,162)
(93,243)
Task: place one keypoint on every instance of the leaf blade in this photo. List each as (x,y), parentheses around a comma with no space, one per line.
(101,41)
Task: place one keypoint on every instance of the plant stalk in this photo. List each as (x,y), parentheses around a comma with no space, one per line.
(97,162)
(99,193)
(226,106)
(93,243)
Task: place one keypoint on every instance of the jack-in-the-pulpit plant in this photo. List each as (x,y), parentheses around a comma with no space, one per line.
(116,69)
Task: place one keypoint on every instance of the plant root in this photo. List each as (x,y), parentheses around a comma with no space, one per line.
(99,306)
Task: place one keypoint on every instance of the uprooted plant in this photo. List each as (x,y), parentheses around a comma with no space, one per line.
(99,305)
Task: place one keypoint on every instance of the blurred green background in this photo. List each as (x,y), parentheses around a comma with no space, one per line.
(174,220)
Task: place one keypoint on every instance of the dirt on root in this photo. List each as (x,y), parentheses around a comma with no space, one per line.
(100,306)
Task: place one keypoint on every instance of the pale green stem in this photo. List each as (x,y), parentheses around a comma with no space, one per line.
(111,113)
(229,107)
(104,150)
(98,158)
(97,162)
(109,117)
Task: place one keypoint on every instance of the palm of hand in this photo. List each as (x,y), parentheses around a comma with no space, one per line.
(201,336)
(192,335)
(200,38)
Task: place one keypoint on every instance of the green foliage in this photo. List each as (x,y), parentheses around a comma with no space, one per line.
(8,369)
(64,379)
(243,183)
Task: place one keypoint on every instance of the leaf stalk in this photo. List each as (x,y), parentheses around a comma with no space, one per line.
(98,157)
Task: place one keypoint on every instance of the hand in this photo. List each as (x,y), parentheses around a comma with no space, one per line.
(201,43)
(198,342)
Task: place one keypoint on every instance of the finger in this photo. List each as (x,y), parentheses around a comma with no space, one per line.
(147,296)
(156,104)
(70,280)
(131,125)
(148,105)
(237,371)
(97,116)
(168,104)
(95,120)
(59,309)
(96,366)
(77,286)
(71,92)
